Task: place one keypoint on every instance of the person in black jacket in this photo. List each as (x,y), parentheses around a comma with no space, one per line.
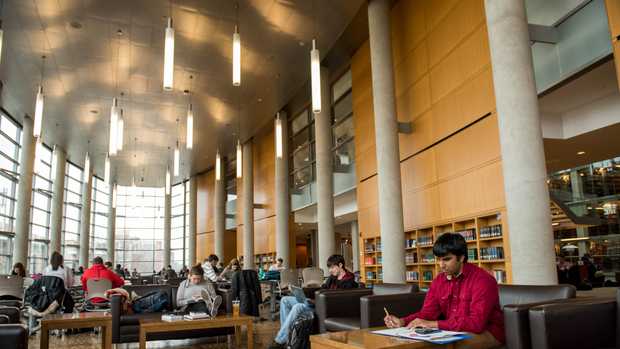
(291,309)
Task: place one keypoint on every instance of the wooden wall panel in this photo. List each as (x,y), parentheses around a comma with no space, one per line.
(264,176)
(616,46)
(363,121)
(204,246)
(613,17)
(368,214)
(230,246)
(205,185)
(264,235)
(421,207)
(408,28)
(418,171)
(436,11)
(411,69)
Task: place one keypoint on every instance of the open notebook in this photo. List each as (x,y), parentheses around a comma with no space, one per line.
(440,337)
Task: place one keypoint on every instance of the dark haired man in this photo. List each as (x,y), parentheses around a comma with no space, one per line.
(463,295)
(291,309)
(209,265)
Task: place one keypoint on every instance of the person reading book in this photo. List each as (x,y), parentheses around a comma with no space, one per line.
(196,294)
(464,296)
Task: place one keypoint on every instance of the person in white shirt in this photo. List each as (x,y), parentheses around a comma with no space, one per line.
(209,266)
(56,268)
(278,266)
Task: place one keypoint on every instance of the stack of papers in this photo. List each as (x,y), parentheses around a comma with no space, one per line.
(439,337)
(171,317)
(196,316)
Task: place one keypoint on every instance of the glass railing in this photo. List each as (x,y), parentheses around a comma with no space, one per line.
(231,214)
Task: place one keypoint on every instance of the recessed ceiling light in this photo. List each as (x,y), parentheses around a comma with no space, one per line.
(301,43)
(75,25)
(555,223)
(259,100)
(581,152)
(94,111)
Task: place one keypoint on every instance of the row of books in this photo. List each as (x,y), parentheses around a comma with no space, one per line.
(425,240)
(491,253)
(427,275)
(409,243)
(499,275)
(376,247)
(491,231)
(373,275)
(468,234)
(428,258)
(412,276)
(472,254)
(411,257)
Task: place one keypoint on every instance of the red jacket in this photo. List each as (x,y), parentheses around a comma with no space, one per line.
(468,302)
(99,271)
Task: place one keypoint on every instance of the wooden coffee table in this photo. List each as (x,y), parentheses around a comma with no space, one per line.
(158,326)
(366,339)
(77,320)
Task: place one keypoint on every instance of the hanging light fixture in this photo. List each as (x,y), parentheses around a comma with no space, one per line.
(190,126)
(114,111)
(106,171)
(168,181)
(177,159)
(169,56)
(38,107)
(218,166)
(236,57)
(315,74)
(114,196)
(278,136)
(86,166)
(1,39)
(120,126)
(239,159)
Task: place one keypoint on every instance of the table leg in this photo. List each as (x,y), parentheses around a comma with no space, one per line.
(237,336)
(142,338)
(272,309)
(45,336)
(106,341)
(249,328)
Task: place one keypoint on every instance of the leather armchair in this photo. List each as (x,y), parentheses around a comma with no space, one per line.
(399,304)
(516,301)
(335,307)
(13,334)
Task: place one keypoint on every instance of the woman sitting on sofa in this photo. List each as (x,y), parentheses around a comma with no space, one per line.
(197,294)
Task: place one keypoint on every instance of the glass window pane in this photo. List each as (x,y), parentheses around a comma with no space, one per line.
(341,86)
(343,132)
(344,108)
(302,158)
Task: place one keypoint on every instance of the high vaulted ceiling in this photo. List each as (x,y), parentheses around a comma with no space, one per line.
(88,64)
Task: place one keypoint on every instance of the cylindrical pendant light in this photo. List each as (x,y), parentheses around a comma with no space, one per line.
(236,58)
(114,196)
(278,136)
(38,113)
(218,166)
(86,167)
(177,160)
(315,74)
(1,39)
(239,160)
(113,127)
(121,128)
(190,127)
(106,171)
(169,56)
(167,181)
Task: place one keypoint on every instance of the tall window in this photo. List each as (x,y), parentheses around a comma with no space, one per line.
(71,215)
(343,147)
(99,219)
(10,134)
(140,228)
(177,232)
(186,249)
(40,209)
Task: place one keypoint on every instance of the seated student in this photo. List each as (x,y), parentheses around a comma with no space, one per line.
(291,309)
(278,266)
(99,271)
(464,296)
(231,268)
(18,270)
(135,274)
(197,294)
(56,268)
(210,267)
(170,273)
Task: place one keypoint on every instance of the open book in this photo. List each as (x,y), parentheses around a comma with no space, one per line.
(439,337)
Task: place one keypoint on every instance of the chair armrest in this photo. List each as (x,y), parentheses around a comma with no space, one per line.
(585,324)
(341,303)
(401,304)
(116,312)
(13,313)
(227,298)
(14,336)
(310,292)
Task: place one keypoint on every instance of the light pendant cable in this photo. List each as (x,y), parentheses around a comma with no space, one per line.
(169,54)
(38,107)
(106,171)
(315,74)
(236,78)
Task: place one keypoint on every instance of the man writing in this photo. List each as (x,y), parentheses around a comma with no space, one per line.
(464,296)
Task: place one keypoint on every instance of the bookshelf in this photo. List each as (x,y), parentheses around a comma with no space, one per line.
(261,260)
(487,247)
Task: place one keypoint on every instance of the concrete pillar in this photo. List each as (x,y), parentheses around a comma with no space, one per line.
(220,211)
(24,194)
(191,255)
(167,227)
(355,243)
(283,244)
(324,175)
(248,205)
(87,191)
(523,159)
(58,196)
(111,241)
(386,140)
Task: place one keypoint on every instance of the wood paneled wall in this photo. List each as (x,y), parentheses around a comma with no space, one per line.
(613,17)
(450,163)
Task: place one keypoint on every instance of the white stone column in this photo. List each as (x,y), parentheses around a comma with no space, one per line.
(220,211)
(58,196)
(167,227)
(191,255)
(324,175)
(355,243)
(87,191)
(111,242)
(386,140)
(248,204)
(523,159)
(283,246)
(24,194)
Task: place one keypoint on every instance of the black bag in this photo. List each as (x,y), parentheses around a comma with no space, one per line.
(300,333)
(152,302)
(44,292)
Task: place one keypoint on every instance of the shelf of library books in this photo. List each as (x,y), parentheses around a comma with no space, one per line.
(372,261)
(265,259)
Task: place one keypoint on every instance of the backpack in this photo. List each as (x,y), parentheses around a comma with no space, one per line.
(152,302)
(300,332)
(44,292)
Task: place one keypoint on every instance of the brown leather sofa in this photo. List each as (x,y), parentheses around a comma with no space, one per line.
(344,310)
(516,301)
(580,323)
(126,328)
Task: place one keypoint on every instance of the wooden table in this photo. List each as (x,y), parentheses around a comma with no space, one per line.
(77,320)
(158,326)
(365,339)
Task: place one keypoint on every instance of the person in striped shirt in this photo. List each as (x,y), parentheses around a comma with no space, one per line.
(209,267)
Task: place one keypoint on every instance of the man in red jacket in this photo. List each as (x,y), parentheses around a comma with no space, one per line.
(463,297)
(99,271)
